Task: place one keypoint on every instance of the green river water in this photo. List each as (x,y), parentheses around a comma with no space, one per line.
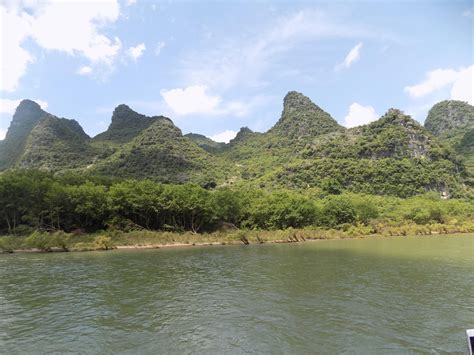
(392,295)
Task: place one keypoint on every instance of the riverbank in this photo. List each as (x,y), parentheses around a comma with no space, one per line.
(110,240)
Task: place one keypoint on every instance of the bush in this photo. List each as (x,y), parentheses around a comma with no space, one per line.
(337,211)
(103,242)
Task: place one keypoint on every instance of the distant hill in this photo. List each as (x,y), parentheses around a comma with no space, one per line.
(306,148)
(205,143)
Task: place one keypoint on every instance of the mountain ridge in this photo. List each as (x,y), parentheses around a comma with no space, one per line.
(305,148)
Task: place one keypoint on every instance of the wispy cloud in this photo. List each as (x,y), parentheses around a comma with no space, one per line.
(85,70)
(243,60)
(160,45)
(351,57)
(469,12)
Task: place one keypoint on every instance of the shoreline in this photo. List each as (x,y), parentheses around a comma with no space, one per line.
(178,245)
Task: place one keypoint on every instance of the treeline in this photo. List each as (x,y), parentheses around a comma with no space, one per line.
(33,200)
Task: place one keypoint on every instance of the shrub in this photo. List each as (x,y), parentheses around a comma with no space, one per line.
(103,242)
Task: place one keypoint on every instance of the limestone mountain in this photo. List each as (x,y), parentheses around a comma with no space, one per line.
(394,155)
(306,148)
(56,144)
(126,124)
(301,119)
(160,152)
(450,117)
(26,116)
(453,122)
(394,135)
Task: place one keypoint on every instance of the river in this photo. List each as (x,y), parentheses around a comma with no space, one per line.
(383,295)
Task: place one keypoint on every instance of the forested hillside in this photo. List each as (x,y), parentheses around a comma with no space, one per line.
(306,148)
(453,122)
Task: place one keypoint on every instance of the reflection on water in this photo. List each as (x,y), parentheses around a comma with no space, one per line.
(381,295)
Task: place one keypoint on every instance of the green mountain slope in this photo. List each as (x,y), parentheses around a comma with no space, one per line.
(453,122)
(126,124)
(393,155)
(301,120)
(260,154)
(449,118)
(306,148)
(162,153)
(26,116)
(56,144)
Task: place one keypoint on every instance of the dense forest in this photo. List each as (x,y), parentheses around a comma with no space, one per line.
(33,200)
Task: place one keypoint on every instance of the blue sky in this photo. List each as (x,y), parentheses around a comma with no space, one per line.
(214,67)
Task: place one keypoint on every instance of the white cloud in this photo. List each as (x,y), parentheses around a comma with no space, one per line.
(192,99)
(359,115)
(137,51)
(159,47)
(3,132)
(351,57)
(196,100)
(14,59)
(469,12)
(70,27)
(131,2)
(463,87)
(435,80)
(85,70)
(224,137)
(459,81)
(9,106)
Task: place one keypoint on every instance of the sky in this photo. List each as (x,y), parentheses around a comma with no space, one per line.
(216,66)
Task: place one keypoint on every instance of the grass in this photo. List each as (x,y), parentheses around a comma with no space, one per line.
(106,240)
